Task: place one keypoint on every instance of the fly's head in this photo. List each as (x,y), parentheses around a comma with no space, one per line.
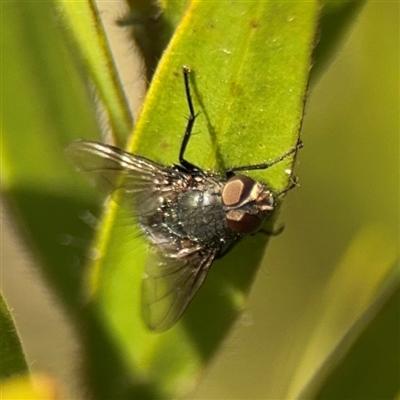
(248,203)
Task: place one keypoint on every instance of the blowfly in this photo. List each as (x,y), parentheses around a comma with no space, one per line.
(189,216)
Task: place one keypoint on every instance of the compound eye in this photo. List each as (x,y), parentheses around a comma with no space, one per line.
(237,190)
(243,222)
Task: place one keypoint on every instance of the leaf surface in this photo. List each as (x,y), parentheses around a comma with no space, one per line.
(249,80)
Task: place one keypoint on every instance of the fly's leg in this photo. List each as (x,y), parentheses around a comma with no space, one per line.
(192,117)
(266,165)
(292,184)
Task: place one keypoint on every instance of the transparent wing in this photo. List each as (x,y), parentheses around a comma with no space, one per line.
(169,284)
(113,171)
(176,267)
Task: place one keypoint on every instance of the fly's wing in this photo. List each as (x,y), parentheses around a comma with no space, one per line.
(169,284)
(174,270)
(113,171)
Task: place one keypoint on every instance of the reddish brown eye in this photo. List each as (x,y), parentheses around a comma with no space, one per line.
(241,222)
(236,190)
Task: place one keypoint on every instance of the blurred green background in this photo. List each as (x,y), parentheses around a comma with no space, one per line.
(348,198)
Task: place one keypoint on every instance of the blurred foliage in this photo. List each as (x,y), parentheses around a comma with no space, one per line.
(87,42)
(36,387)
(346,209)
(371,360)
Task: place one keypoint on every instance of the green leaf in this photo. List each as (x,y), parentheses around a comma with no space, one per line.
(84,27)
(46,103)
(349,191)
(250,72)
(12,357)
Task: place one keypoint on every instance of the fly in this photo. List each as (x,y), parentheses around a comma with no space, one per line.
(189,216)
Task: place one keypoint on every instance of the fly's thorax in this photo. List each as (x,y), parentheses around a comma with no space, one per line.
(201,212)
(247,202)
